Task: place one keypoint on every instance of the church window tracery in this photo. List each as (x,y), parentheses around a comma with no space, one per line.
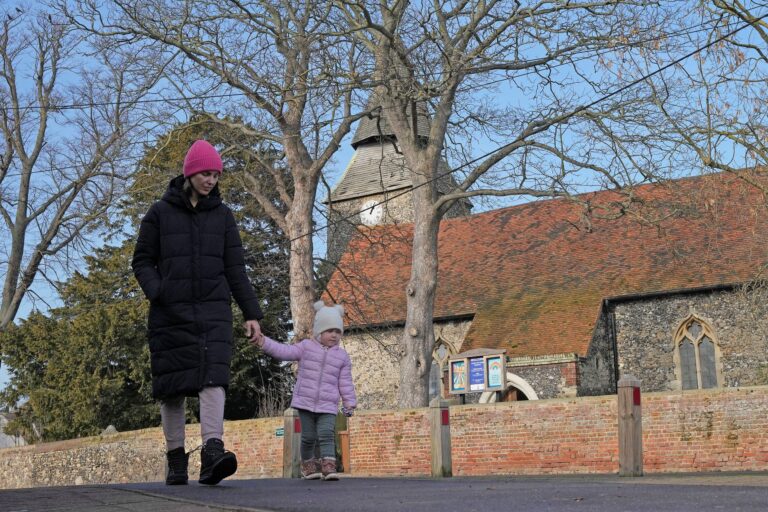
(696,354)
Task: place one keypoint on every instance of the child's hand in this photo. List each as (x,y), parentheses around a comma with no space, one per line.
(347,412)
(258,340)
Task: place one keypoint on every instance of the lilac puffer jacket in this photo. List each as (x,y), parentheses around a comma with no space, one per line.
(325,375)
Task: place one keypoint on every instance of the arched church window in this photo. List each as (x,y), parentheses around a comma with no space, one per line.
(696,354)
(440,354)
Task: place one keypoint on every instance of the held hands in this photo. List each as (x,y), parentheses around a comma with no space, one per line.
(253,332)
(259,341)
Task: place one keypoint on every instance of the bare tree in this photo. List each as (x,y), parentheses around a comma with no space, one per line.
(714,110)
(66,114)
(511,88)
(282,67)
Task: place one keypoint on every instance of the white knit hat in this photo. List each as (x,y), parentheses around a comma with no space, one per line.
(327,317)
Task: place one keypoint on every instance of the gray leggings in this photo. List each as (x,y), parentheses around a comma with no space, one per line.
(317,428)
(173,416)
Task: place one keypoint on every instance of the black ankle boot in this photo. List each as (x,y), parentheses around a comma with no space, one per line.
(177,467)
(216,463)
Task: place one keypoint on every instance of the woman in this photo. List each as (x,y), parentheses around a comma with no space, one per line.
(189,263)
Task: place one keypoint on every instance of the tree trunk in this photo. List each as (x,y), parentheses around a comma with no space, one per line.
(302,293)
(418,337)
(10,302)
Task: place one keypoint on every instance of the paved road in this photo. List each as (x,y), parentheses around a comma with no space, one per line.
(743,492)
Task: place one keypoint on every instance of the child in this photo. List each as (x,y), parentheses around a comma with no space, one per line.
(324,376)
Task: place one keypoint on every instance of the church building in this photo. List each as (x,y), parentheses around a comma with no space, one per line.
(671,291)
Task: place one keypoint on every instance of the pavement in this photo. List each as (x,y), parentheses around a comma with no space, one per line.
(734,492)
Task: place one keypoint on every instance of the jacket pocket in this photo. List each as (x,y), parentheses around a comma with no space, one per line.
(158,299)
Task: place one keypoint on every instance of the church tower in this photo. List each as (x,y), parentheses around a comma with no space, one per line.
(374,188)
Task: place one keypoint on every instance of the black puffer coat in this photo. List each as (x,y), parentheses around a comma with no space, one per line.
(189,262)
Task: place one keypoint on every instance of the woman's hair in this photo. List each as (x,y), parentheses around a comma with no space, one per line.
(186,187)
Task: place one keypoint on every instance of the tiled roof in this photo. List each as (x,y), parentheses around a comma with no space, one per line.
(534,276)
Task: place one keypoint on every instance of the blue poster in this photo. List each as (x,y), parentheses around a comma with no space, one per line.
(476,374)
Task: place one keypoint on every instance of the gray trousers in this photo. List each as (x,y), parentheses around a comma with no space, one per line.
(172,413)
(317,428)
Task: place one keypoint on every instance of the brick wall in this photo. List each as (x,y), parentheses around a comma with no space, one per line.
(570,373)
(692,431)
(535,437)
(259,450)
(716,430)
(390,443)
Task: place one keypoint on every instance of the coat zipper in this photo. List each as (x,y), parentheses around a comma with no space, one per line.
(320,377)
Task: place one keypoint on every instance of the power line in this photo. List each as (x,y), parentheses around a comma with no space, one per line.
(518,139)
(562,118)
(81,106)
(703,27)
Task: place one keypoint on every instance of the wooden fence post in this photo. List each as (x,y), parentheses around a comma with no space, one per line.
(291,444)
(440,438)
(630,427)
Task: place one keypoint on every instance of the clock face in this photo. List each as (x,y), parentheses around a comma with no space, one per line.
(371,213)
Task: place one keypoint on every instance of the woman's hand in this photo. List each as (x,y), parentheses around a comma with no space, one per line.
(253,331)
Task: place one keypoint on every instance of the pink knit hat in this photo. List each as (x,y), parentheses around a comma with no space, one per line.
(202,157)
